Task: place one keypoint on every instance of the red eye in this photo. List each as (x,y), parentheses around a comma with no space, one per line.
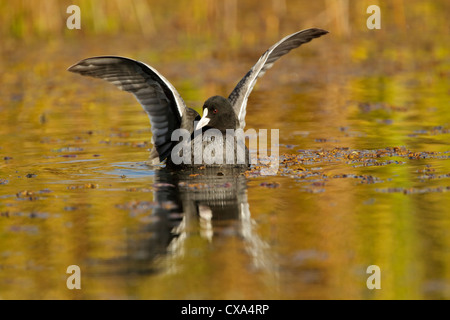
(215,111)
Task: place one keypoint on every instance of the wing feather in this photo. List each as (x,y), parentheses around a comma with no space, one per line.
(156,94)
(239,96)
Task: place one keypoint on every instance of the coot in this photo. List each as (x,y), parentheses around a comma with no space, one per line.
(168,112)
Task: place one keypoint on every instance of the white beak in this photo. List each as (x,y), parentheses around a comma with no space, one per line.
(204,120)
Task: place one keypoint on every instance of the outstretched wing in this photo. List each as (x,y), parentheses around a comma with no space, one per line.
(238,97)
(158,97)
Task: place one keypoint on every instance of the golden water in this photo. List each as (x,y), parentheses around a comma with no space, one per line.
(74,189)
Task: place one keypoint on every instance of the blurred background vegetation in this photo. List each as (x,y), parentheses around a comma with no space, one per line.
(232,20)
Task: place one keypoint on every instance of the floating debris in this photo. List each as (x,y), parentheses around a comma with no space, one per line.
(26,194)
(31,195)
(437,130)
(414,190)
(429,176)
(303,166)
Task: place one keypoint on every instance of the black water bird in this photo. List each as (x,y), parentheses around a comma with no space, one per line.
(164,105)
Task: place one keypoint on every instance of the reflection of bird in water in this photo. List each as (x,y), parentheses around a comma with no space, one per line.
(168,112)
(210,206)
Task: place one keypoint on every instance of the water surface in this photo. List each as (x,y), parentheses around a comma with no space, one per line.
(364,177)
